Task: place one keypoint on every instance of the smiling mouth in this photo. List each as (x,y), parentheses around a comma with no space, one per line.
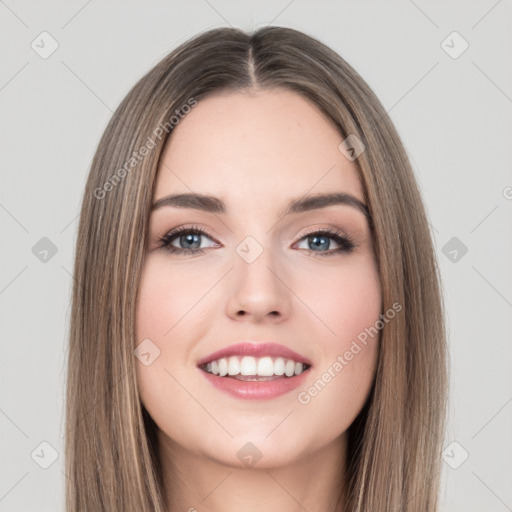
(255,378)
(251,369)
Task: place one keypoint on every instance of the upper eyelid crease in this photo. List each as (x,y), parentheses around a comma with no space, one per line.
(211,204)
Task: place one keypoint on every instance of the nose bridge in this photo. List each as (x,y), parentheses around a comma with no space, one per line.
(257,286)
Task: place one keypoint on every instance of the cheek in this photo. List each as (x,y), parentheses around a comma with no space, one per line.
(166,308)
(165,297)
(345,302)
(160,317)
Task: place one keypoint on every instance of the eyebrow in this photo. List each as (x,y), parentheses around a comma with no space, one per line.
(213,204)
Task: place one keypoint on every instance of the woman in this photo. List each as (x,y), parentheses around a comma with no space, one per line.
(293,356)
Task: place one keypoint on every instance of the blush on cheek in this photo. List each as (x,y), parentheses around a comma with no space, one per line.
(360,348)
(353,305)
(159,306)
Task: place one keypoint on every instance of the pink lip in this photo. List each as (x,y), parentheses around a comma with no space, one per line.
(254,390)
(256,350)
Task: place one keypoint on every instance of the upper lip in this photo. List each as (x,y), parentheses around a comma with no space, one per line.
(248,348)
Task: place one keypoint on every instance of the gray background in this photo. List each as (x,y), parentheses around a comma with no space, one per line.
(452,113)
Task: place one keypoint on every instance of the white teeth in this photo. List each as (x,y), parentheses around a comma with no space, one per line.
(266,367)
(289,369)
(248,365)
(233,366)
(279,364)
(223,367)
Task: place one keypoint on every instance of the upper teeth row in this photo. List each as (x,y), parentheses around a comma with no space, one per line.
(248,365)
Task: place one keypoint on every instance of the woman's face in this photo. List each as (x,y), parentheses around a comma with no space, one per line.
(259,275)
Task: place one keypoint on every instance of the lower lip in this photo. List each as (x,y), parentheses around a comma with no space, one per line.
(256,390)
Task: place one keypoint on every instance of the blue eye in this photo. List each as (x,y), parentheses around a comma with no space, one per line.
(190,237)
(186,236)
(321,240)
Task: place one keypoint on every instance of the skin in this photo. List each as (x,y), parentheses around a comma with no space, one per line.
(256,151)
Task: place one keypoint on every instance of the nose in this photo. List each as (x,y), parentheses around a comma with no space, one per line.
(258,291)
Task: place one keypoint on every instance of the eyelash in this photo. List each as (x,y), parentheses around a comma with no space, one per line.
(346,242)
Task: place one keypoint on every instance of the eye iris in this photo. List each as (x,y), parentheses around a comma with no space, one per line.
(192,238)
(316,244)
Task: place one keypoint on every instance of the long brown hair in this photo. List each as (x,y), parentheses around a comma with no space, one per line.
(111,454)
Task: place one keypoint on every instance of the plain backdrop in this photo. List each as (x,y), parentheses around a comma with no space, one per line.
(443,71)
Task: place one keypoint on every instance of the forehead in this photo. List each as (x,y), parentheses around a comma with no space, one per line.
(268,145)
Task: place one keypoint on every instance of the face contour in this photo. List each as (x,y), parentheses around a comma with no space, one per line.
(258,276)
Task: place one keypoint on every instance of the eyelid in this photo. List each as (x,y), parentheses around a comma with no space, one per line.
(346,242)
(185,229)
(316,229)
